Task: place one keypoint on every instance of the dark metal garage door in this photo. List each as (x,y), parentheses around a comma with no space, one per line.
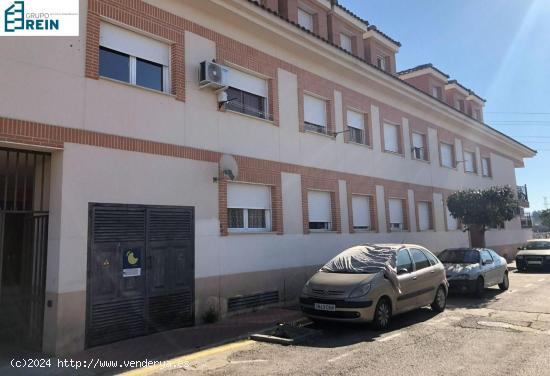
(141,271)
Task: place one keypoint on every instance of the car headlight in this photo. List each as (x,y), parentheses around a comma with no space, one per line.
(305,289)
(361,290)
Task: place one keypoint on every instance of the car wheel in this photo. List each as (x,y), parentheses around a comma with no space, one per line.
(480,287)
(382,314)
(440,300)
(505,282)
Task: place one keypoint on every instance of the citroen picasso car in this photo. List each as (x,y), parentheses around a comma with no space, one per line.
(474,269)
(372,283)
(534,255)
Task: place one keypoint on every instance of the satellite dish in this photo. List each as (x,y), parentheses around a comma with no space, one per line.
(229,167)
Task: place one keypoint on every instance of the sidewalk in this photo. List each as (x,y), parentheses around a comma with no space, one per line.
(167,345)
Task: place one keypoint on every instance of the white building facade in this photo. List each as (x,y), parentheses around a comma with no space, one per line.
(146,233)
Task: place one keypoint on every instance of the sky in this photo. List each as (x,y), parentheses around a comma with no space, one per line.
(498,48)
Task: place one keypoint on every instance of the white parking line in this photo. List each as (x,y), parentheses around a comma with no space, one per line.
(388,338)
(340,357)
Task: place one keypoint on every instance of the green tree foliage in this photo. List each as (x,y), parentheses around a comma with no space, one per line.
(482,209)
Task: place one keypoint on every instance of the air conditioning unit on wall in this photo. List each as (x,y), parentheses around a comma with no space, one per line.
(212,75)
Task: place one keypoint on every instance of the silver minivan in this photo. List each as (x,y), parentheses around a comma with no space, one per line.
(391,279)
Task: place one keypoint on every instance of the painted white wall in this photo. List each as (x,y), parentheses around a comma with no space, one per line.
(291,186)
(344,209)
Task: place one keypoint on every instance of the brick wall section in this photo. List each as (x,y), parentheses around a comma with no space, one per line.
(315,182)
(336,26)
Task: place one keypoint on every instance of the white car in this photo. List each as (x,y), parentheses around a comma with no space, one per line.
(474,269)
(534,255)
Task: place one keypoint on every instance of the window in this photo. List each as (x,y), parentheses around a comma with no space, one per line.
(397,222)
(382,62)
(114,64)
(433,260)
(469,162)
(345,42)
(246,94)
(305,19)
(248,207)
(424,216)
(447,155)
(437,92)
(486,166)
(361,212)
(420,259)
(486,257)
(404,261)
(356,127)
(460,104)
(477,114)
(419,147)
(133,58)
(391,138)
(319,210)
(452,222)
(315,114)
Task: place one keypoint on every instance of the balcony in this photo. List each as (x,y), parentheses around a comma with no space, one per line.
(526,221)
(523,197)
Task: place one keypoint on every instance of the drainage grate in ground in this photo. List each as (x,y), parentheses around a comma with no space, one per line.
(286,334)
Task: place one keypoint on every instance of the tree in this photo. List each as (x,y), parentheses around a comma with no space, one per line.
(482,209)
(544,216)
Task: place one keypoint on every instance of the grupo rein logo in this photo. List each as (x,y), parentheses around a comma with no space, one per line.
(37,17)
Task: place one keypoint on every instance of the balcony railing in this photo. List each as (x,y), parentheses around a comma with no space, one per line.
(523,196)
(526,221)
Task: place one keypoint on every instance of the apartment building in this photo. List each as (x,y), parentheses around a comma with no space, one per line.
(118,219)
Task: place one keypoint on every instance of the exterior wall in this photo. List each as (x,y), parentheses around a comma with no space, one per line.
(289,10)
(117,143)
(426,83)
(336,26)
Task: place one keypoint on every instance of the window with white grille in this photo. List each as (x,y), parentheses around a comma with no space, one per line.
(424,216)
(397,218)
(356,127)
(315,114)
(319,210)
(391,138)
(469,161)
(346,42)
(361,208)
(486,166)
(246,93)
(248,207)
(419,147)
(305,19)
(447,155)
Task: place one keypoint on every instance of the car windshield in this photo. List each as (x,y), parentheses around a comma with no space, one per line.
(537,245)
(459,256)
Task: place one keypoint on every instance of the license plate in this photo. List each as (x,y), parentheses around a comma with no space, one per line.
(325,307)
(535,262)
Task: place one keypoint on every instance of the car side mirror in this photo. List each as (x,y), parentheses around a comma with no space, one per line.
(402,271)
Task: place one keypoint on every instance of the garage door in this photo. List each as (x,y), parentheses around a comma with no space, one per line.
(140,271)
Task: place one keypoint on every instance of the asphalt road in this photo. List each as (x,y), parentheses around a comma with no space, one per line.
(505,333)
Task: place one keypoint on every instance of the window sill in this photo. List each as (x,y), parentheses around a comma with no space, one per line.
(487,176)
(320,134)
(359,144)
(471,173)
(231,233)
(250,116)
(421,160)
(364,231)
(322,231)
(137,86)
(449,167)
(394,153)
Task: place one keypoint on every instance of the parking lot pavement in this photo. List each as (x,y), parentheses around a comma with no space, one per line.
(504,333)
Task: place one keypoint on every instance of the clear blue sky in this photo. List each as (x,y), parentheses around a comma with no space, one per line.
(498,48)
